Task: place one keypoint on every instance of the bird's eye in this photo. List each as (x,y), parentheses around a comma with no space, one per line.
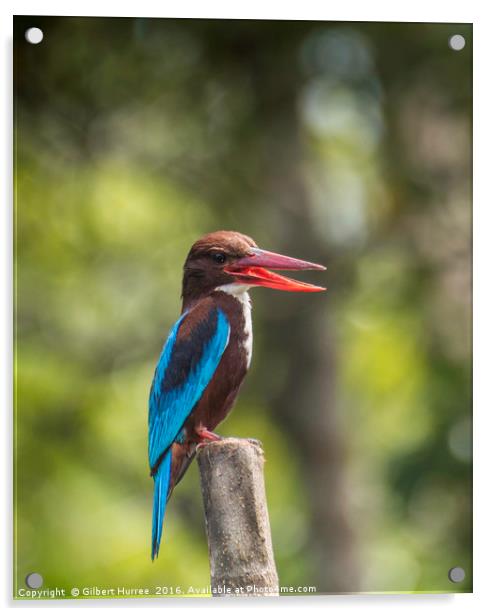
(218,257)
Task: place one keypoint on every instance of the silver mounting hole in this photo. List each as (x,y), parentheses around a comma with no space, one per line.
(457,42)
(456,575)
(34,36)
(34,580)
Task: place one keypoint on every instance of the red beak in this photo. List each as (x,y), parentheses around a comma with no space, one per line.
(250,270)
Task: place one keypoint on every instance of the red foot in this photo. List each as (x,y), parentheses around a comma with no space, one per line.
(205,435)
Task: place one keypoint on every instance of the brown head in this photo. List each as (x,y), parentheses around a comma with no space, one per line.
(231,258)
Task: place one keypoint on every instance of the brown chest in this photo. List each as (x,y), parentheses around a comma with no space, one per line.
(220,394)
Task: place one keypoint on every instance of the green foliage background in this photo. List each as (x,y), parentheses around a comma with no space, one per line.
(338,142)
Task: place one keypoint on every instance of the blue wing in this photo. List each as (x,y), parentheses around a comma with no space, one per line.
(187,363)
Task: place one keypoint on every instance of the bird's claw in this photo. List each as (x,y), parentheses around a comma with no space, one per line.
(206,436)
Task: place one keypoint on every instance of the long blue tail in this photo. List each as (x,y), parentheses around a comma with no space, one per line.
(161,488)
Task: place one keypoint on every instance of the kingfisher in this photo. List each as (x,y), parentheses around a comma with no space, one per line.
(207,353)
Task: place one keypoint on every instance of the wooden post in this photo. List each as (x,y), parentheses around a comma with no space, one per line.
(237,522)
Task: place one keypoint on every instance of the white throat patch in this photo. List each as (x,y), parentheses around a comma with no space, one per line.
(240,292)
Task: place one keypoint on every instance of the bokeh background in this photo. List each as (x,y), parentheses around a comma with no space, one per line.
(347,144)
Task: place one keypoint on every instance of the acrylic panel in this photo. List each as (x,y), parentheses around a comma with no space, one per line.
(345,145)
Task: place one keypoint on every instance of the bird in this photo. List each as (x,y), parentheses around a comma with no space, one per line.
(207,353)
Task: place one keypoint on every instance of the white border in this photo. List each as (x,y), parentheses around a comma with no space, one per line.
(476,11)
(377,10)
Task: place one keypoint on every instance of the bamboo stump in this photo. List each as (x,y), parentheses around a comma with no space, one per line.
(237,521)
